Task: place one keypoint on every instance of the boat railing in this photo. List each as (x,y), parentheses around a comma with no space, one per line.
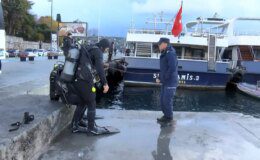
(149,31)
(247,33)
(206,34)
(203,34)
(190,58)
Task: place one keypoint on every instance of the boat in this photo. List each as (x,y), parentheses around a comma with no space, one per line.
(249,89)
(198,51)
(243,49)
(210,53)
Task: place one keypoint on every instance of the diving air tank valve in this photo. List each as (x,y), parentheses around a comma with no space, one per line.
(68,73)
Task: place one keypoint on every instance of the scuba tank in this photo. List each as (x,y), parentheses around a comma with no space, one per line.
(71,63)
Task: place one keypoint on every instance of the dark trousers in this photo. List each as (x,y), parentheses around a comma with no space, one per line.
(0,65)
(88,100)
(166,99)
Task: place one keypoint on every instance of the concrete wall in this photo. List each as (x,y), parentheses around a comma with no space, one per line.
(18,43)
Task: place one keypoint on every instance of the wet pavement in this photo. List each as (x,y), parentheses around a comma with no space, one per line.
(193,136)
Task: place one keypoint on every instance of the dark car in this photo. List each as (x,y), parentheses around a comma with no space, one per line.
(13,52)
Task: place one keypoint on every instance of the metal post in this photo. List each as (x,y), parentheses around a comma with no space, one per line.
(51,18)
(51,13)
(58,39)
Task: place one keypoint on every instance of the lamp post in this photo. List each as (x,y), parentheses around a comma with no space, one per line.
(58,19)
(51,18)
(51,12)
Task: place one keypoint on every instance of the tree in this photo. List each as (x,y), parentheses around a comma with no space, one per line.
(47,20)
(45,31)
(15,13)
(20,22)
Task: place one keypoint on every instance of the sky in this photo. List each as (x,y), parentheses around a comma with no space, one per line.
(114,17)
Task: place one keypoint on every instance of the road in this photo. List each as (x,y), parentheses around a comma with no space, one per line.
(24,88)
(22,77)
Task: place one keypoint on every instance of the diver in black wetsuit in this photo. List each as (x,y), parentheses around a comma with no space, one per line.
(85,87)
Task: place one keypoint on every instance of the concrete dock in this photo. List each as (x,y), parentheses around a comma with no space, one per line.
(193,136)
(24,88)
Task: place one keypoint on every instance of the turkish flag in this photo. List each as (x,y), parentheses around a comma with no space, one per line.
(177,26)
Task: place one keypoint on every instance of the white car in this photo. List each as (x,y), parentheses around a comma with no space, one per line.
(60,52)
(30,52)
(3,54)
(42,52)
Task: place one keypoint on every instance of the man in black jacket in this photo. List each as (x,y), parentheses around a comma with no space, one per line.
(168,78)
(91,57)
(67,43)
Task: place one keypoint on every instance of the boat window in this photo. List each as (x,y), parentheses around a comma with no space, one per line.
(130,49)
(227,55)
(257,53)
(143,49)
(194,53)
(178,51)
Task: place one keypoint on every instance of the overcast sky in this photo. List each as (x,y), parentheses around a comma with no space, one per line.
(115,15)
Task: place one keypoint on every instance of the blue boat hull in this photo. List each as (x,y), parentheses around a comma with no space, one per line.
(186,78)
(251,78)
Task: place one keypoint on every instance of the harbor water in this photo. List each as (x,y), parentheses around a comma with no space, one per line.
(136,98)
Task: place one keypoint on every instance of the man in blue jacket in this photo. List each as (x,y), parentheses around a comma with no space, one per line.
(168,78)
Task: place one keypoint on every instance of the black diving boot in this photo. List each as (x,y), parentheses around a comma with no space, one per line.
(76,128)
(164,119)
(93,129)
(83,123)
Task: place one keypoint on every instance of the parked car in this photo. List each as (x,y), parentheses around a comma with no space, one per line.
(3,54)
(31,52)
(35,52)
(13,52)
(6,54)
(42,52)
(52,53)
(27,53)
(60,52)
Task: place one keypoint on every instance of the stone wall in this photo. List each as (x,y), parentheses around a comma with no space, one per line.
(20,44)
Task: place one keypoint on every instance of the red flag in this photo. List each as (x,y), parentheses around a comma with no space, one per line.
(177,26)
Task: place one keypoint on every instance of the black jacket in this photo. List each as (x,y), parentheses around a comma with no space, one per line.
(94,54)
(169,67)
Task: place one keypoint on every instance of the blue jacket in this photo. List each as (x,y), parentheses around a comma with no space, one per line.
(169,68)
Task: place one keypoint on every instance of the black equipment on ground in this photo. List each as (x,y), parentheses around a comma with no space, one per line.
(27,118)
